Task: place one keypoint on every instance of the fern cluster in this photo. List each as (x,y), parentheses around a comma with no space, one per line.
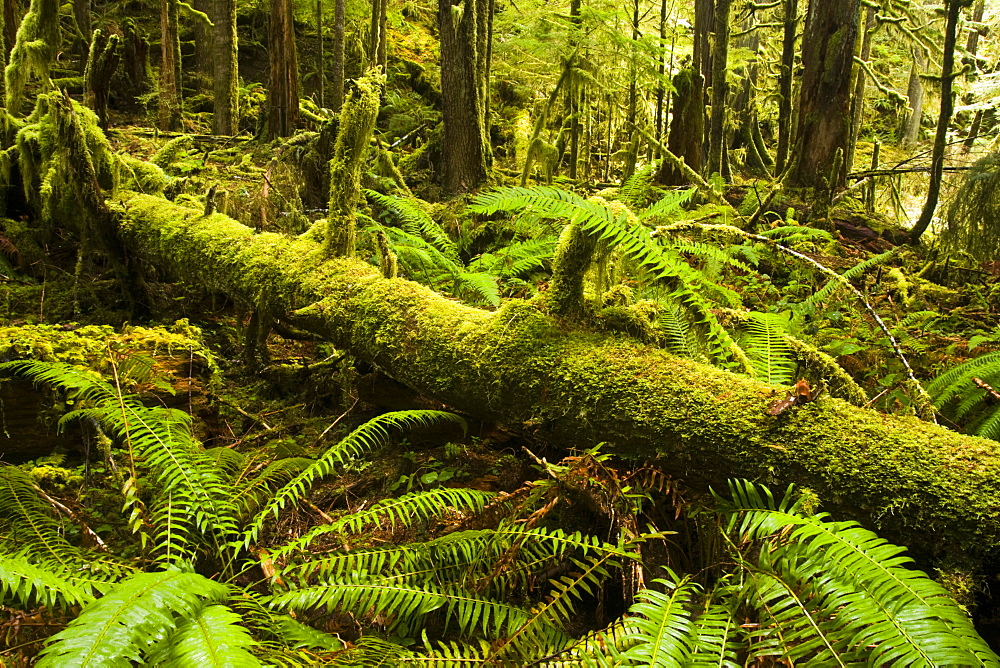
(967,395)
(505,585)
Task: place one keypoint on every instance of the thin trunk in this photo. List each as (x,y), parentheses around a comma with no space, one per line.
(283,82)
(82,17)
(320,55)
(102,61)
(383,14)
(790,25)
(170,91)
(573,93)
(661,70)
(337,78)
(720,87)
(944,120)
(225,120)
(686,127)
(858,101)
(825,99)
(910,128)
(972,46)
(633,97)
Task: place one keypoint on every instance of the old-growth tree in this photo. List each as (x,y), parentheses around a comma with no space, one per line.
(824,122)
(225,120)
(464,29)
(283,79)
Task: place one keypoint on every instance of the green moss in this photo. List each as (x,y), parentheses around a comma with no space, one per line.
(140,176)
(573,256)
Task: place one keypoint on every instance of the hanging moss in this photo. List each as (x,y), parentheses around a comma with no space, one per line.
(35,49)
(357,120)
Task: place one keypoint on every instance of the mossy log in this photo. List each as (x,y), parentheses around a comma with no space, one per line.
(920,484)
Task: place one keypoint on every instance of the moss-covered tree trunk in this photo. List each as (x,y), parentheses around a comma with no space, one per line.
(720,87)
(825,100)
(357,120)
(687,127)
(790,21)
(918,483)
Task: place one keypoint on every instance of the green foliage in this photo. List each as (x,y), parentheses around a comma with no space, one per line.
(957,395)
(659,261)
(125,623)
(974,213)
(854,272)
(768,348)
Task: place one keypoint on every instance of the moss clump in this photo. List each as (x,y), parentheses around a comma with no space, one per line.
(357,120)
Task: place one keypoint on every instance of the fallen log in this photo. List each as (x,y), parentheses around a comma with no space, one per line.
(919,484)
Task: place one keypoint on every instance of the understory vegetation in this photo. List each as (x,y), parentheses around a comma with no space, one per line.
(340,333)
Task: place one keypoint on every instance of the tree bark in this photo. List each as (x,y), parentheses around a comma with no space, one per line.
(225,119)
(170,54)
(789,27)
(283,82)
(944,120)
(463,29)
(720,87)
(910,128)
(337,77)
(858,100)
(686,127)
(102,62)
(825,99)
(919,484)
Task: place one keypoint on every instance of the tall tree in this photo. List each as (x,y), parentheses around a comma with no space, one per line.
(170,68)
(944,120)
(861,79)
(720,87)
(283,80)
(464,30)
(909,129)
(825,101)
(337,77)
(789,24)
(225,120)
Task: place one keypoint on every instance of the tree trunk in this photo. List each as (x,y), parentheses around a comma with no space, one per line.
(170,54)
(686,127)
(464,32)
(720,87)
(136,78)
(909,131)
(944,120)
(858,101)
(789,27)
(283,82)
(825,100)
(918,483)
(82,17)
(225,120)
(972,46)
(102,62)
(337,77)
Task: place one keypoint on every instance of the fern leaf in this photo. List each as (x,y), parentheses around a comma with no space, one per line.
(213,638)
(767,347)
(28,585)
(122,626)
(483,286)
(852,582)
(415,219)
(854,272)
(368,437)
(661,626)
(668,206)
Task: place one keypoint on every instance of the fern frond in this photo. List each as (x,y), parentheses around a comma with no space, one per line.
(415,219)
(482,286)
(365,594)
(767,347)
(296,635)
(403,511)
(27,585)
(30,529)
(661,627)
(855,584)
(212,638)
(854,272)
(716,644)
(124,624)
(668,206)
(794,234)
(368,437)
(635,189)
(675,331)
